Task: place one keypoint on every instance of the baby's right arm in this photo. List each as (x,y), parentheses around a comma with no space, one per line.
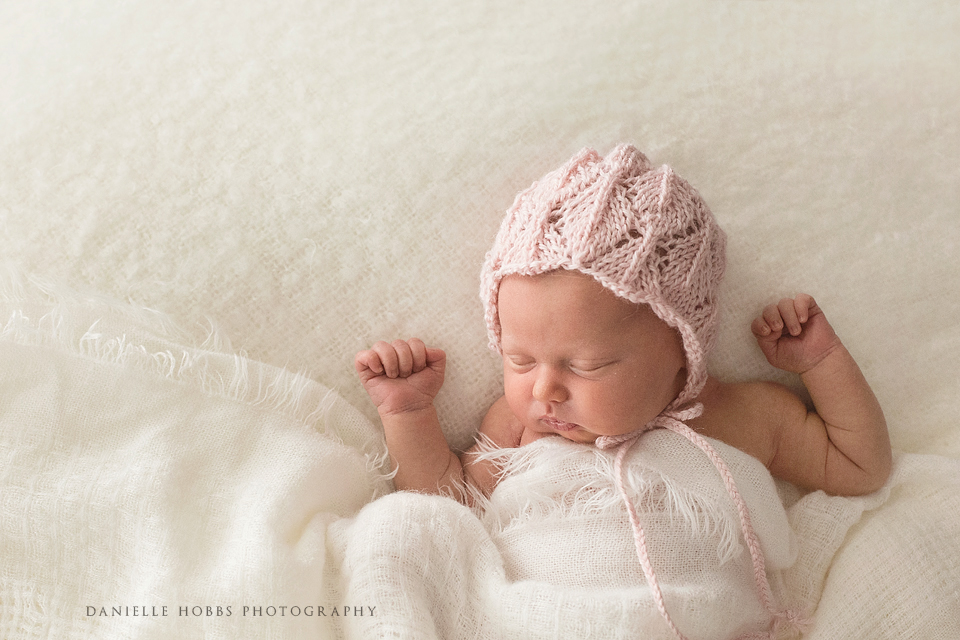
(402,378)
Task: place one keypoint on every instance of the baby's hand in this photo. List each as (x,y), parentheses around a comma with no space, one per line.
(794,334)
(401,376)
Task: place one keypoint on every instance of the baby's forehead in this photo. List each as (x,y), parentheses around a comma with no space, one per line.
(573,301)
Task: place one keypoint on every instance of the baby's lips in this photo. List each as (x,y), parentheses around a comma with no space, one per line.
(558,425)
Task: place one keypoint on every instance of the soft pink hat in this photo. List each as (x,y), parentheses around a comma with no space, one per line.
(643,233)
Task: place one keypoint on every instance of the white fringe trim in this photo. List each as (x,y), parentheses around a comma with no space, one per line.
(41,314)
(553,479)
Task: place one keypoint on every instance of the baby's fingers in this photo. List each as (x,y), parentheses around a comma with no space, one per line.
(805,306)
(418,352)
(368,362)
(760,328)
(769,324)
(405,357)
(387,358)
(797,311)
(397,359)
(790,312)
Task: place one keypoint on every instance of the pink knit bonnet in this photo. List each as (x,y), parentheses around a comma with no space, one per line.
(642,232)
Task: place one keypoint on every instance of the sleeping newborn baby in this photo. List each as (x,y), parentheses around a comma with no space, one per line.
(600,294)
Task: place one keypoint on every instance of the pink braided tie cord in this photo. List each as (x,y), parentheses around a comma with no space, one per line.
(673,420)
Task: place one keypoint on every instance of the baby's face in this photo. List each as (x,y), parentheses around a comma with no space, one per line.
(580,362)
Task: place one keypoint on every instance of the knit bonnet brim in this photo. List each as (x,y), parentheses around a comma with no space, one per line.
(644,233)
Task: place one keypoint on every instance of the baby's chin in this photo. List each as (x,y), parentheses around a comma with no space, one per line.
(579,436)
(582,436)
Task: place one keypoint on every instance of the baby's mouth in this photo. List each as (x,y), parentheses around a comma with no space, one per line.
(558,425)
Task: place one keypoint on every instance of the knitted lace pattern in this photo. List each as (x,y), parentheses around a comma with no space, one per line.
(642,232)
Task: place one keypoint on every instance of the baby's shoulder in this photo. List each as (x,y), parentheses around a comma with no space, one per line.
(501,426)
(745,415)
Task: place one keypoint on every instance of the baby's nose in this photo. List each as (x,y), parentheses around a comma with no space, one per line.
(549,386)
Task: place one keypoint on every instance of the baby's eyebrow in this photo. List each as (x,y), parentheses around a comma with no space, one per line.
(515,353)
(593,362)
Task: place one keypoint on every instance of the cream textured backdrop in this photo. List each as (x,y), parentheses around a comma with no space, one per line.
(307,177)
(312,176)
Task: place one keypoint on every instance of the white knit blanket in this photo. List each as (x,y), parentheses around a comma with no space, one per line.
(150,490)
(153,490)
(301,178)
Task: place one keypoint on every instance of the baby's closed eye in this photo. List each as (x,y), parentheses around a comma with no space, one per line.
(519,363)
(590,366)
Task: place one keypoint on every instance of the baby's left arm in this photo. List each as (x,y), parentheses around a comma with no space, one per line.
(842,446)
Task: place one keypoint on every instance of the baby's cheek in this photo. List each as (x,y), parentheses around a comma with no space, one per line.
(516,394)
(616,414)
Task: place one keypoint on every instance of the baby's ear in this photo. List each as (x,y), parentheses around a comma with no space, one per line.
(681,382)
